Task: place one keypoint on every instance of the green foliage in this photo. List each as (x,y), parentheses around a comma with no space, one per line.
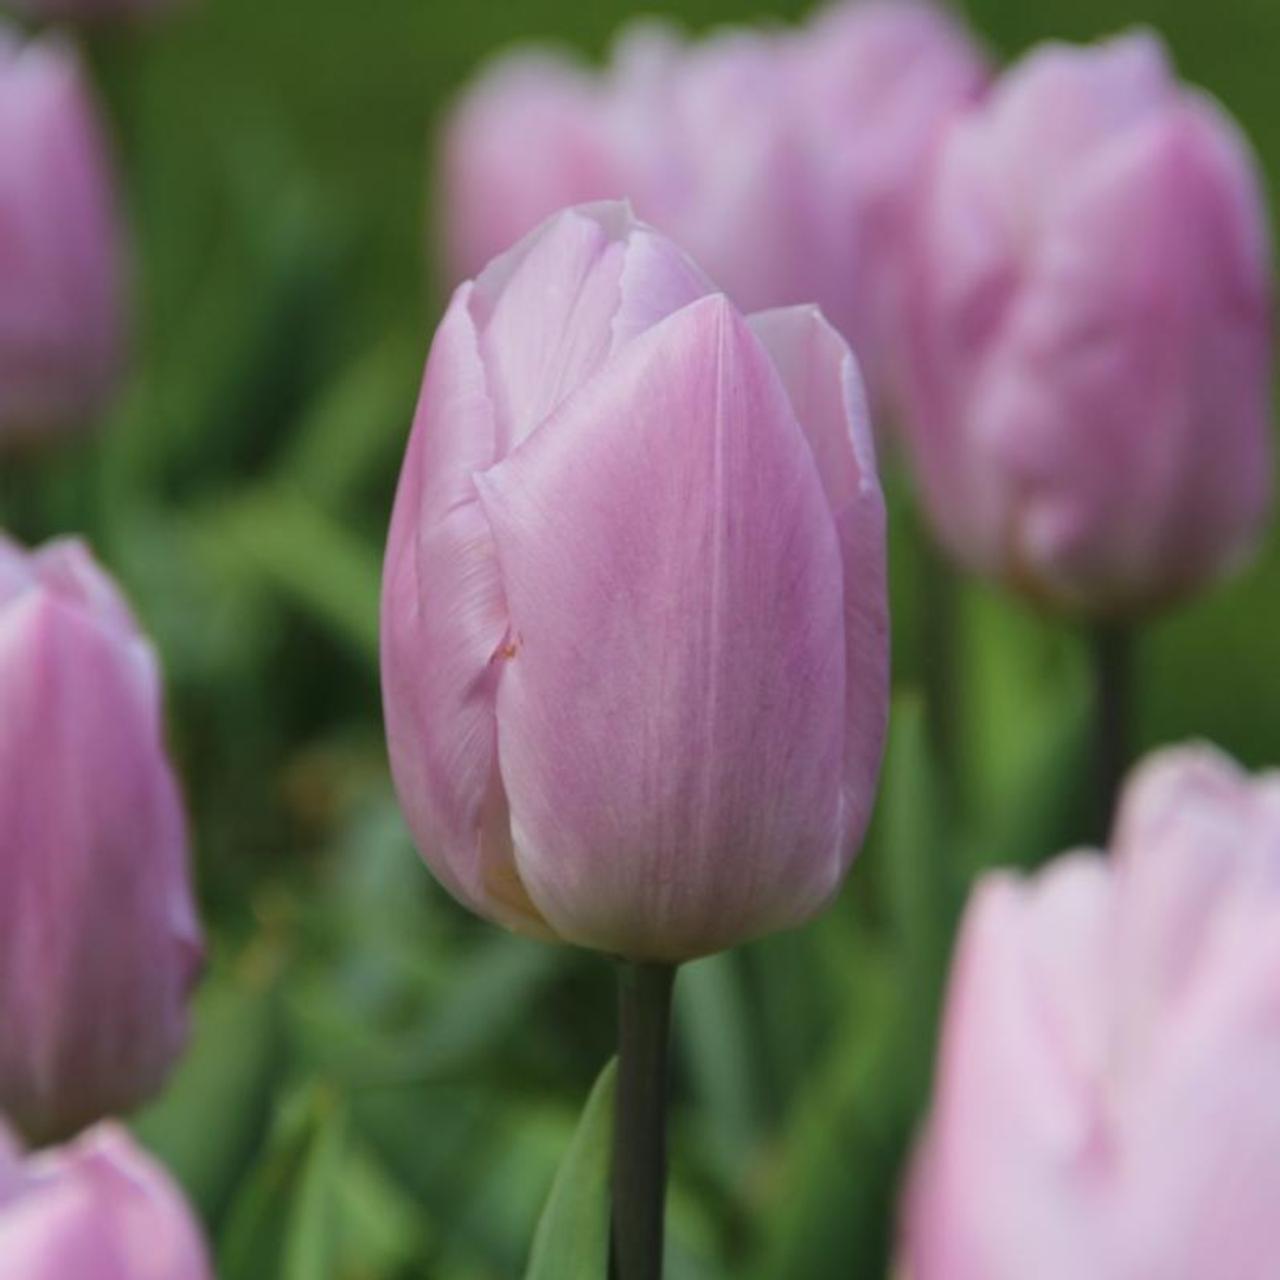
(572,1240)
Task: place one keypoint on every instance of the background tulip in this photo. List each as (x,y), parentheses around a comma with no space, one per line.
(99,944)
(98,1209)
(1091,334)
(634,633)
(1105,1101)
(525,140)
(62,306)
(785,162)
(875,85)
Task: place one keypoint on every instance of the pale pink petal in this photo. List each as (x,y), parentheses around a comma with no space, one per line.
(671,712)
(443,623)
(821,378)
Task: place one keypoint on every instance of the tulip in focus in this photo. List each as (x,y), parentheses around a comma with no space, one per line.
(99,943)
(98,1209)
(786,163)
(1090,335)
(634,632)
(1106,1096)
(62,303)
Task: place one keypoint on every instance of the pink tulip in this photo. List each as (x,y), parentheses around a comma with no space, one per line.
(785,163)
(876,83)
(709,142)
(99,944)
(99,1209)
(1106,1095)
(62,305)
(634,628)
(525,140)
(1091,334)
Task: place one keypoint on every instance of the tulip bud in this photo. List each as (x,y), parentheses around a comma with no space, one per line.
(634,645)
(1105,1098)
(99,944)
(62,302)
(98,1209)
(1090,340)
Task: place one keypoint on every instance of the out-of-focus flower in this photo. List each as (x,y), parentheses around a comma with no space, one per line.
(99,943)
(97,1209)
(1090,334)
(526,139)
(785,163)
(634,621)
(1105,1103)
(876,83)
(62,304)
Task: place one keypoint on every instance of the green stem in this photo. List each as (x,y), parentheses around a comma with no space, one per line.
(640,1120)
(940,622)
(1113,696)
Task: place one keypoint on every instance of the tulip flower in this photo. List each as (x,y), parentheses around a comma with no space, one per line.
(99,944)
(62,304)
(1105,1095)
(98,1209)
(1091,335)
(876,82)
(1089,349)
(634,632)
(785,162)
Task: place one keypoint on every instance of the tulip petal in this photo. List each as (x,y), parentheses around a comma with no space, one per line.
(98,1209)
(1092,409)
(96,914)
(821,377)
(1023,1029)
(594,278)
(443,622)
(671,711)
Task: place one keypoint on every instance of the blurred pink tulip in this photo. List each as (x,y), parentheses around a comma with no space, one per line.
(1106,1096)
(99,943)
(62,305)
(525,140)
(1090,334)
(785,163)
(634,623)
(98,1209)
(877,82)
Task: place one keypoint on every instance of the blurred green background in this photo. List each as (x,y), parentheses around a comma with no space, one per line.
(379,1086)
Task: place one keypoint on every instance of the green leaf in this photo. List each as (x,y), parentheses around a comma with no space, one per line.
(572,1240)
(207,1127)
(283,1224)
(305,553)
(312,1240)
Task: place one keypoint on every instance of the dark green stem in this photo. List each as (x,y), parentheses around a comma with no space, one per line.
(640,1120)
(1113,695)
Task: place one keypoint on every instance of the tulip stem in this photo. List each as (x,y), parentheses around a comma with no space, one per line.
(941,623)
(1113,694)
(640,1120)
